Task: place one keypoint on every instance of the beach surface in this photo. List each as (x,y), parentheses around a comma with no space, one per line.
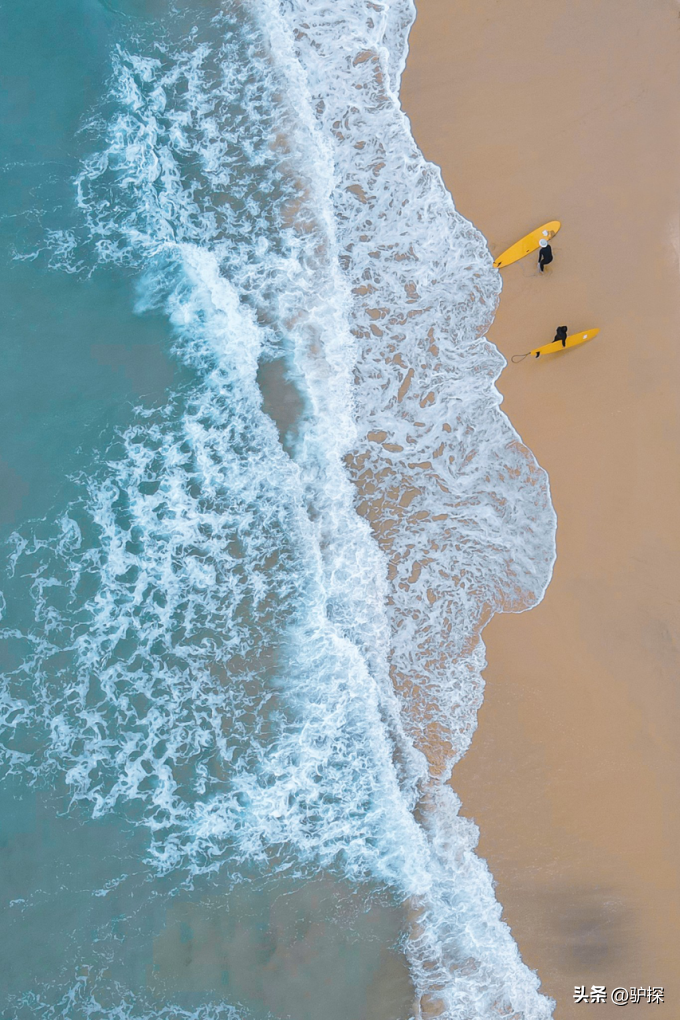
(568,110)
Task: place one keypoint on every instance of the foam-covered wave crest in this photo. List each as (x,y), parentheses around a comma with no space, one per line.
(191,656)
(455,500)
(220,645)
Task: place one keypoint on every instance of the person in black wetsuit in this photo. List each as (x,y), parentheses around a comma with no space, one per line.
(545,255)
(561,334)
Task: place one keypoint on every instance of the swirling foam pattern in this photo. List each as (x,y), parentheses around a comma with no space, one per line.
(221,645)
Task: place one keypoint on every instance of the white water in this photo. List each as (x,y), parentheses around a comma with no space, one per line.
(230,676)
(478,524)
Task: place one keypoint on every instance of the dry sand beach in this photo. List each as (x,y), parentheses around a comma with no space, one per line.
(568,109)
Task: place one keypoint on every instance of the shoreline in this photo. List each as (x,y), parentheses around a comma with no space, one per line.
(573,770)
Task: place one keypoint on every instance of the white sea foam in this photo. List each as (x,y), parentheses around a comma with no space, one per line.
(227,621)
(80,1001)
(464,509)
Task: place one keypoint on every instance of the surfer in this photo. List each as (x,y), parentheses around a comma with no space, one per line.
(545,255)
(561,334)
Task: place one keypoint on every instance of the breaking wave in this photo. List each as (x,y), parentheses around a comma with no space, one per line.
(219,644)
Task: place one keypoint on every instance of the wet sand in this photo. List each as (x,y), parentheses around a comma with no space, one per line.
(568,109)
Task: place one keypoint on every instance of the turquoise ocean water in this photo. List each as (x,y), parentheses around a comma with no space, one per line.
(220,253)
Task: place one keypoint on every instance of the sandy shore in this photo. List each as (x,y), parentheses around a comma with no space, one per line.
(568,109)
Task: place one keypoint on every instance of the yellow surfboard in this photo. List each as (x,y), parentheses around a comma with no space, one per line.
(527,244)
(572,341)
